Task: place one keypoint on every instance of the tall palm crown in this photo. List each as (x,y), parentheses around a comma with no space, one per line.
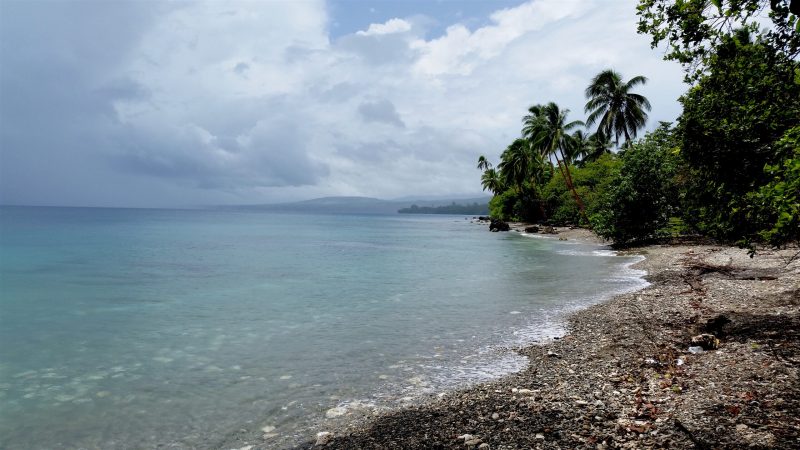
(484,163)
(516,164)
(617,110)
(491,180)
(548,130)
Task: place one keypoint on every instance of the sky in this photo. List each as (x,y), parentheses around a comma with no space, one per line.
(172,104)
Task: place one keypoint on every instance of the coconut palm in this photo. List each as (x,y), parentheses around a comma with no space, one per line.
(483,163)
(580,147)
(515,164)
(612,105)
(548,130)
(491,180)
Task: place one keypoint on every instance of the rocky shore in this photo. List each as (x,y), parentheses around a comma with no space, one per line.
(707,357)
(628,375)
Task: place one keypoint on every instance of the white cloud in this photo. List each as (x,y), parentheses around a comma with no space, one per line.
(249,102)
(391,26)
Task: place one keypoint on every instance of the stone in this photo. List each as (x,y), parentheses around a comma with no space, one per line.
(324,437)
(706,341)
(498,225)
(539,437)
(532,229)
(495,416)
(484,446)
(472,442)
(549,230)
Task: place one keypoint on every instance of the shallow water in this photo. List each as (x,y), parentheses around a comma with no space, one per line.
(123,328)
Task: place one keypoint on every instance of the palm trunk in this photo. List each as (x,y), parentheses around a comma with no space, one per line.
(568,180)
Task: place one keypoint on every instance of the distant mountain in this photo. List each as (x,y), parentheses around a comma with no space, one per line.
(354,205)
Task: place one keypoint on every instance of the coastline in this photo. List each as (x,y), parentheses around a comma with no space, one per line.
(623,375)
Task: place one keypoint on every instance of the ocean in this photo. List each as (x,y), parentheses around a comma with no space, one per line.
(146,328)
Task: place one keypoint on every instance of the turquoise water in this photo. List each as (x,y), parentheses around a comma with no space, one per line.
(130,328)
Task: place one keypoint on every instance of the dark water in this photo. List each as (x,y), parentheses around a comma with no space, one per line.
(175,328)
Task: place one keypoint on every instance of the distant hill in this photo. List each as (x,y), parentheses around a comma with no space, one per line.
(475,208)
(355,205)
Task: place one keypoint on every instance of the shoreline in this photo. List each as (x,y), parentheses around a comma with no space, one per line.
(623,375)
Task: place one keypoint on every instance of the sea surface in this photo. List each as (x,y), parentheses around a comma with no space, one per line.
(137,328)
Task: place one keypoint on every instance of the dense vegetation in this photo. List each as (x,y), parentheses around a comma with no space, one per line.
(728,169)
(452,208)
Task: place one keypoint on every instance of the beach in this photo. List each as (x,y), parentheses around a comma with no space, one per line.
(628,374)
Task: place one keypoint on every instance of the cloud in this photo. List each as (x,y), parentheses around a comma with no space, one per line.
(380,111)
(390,27)
(150,104)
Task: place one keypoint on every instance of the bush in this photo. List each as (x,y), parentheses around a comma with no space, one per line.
(641,199)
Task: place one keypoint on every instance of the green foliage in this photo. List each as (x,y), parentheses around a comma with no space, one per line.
(731,122)
(775,206)
(616,110)
(693,29)
(590,180)
(640,200)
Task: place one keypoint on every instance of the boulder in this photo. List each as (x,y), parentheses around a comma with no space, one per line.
(532,229)
(549,230)
(498,225)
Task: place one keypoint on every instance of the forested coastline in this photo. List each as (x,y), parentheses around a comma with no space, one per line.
(728,169)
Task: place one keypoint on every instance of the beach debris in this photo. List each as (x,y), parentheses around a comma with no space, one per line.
(696,350)
(707,341)
(324,437)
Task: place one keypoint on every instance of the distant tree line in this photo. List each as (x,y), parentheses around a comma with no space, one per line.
(453,208)
(729,169)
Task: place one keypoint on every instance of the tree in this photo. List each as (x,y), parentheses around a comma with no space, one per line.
(731,123)
(516,164)
(491,180)
(483,163)
(644,195)
(547,129)
(617,110)
(693,29)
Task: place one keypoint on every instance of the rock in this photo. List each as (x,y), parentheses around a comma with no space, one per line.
(466,437)
(539,437)
(268,429)
(553,354)
(483,218)
(532,229)
(498,225)
(324,437)
(549,230)
(484,446)
(706,341)
(495,416)
(472,442)
(562,238)
(695,350)
(335,412)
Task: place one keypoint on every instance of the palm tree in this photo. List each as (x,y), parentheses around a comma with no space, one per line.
(491,180)
(548,130)
(483,163)
(580,147)
(515,164)
(617,110)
